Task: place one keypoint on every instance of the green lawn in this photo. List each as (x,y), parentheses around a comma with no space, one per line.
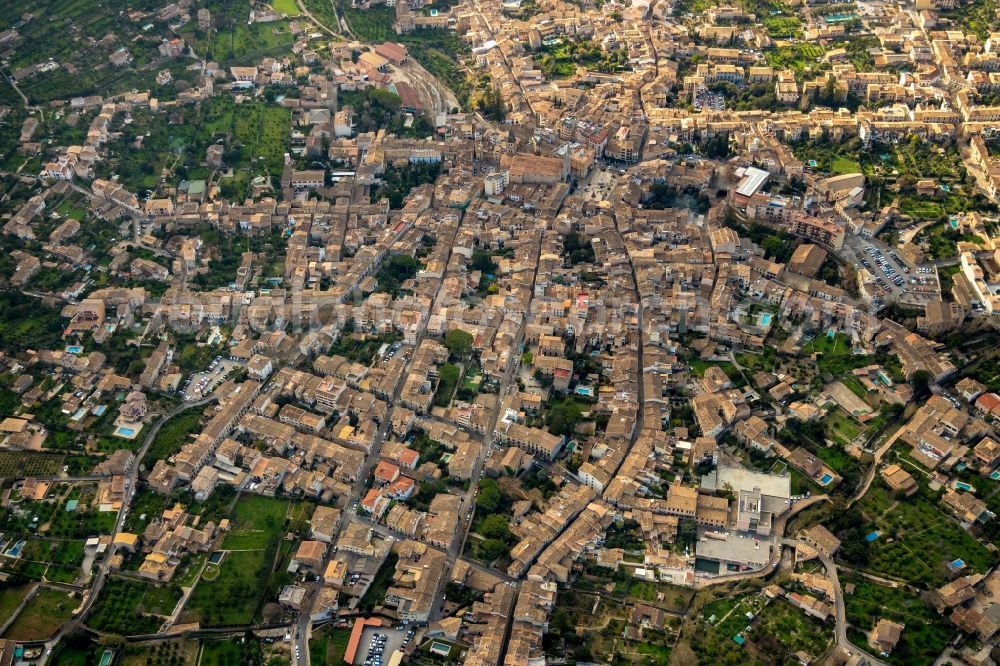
(842,165)
(328,645)
(286,7)
(841,428)
(838,345)
(256,522)
(234,595)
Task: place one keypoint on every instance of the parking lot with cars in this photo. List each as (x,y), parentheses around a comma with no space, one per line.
(896,279)
(202,383)
(378,644)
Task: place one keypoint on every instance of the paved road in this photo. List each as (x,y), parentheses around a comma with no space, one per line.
(130,482)
(320,24)
(303,626)
(838,600)
(882,450)
(776,541)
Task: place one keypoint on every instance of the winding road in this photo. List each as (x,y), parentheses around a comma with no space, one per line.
(130,482)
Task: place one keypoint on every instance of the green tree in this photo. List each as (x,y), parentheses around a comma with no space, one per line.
(494,526)
(458,342)
(564,417)
(921,380)
(489,496)
(491,549)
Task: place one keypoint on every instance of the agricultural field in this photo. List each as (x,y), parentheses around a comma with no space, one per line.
(55,517)
(12,594)
(72,35)
(322,11)
(43,615)
(781,629)
(226,652)
(51,560)
(926,633)
(173,435)
(917,539)
(128,607)
(255,134)
(604,625)
(801,58)
(161,653)
(232,41)
(14,464)
(710,635)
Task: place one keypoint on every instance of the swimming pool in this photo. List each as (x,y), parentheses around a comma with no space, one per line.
(15,550)
(954,223)
(74,349)
(961,485)
(125,432)
(825,479)
(871,536)
(995,474)
(958,564)
(765,319)
(585,391)
(838,18)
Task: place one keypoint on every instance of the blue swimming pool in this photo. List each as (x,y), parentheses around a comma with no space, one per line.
(15,550)
(825,479)
(74,349)
(960,485)
(125,431)
(765,319)
(871,536)
(995,474)
(958,564)
(584,390)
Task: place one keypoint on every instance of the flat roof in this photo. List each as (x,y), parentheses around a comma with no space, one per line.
(735,549)
(753,178)
(746,479)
